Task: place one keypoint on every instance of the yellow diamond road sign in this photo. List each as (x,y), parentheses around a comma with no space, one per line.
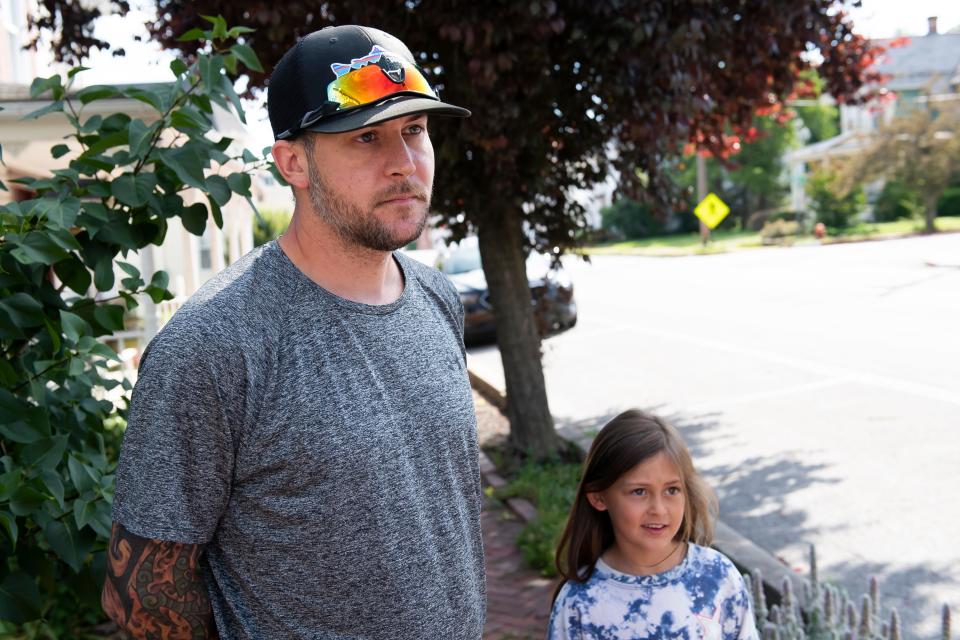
(712,210)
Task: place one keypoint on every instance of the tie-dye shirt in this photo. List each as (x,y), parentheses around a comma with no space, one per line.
(702,598)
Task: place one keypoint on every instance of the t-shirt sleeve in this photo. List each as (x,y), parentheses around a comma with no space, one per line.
(564,618)
(176,462)
(740,609)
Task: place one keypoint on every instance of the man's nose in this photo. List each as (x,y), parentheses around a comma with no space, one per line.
(401,159)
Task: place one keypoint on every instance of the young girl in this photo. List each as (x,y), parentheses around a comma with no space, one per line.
(633,554)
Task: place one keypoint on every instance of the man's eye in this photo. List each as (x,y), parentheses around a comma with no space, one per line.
(368,136)
(416,129)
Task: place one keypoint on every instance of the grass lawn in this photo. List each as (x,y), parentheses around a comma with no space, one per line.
(724,241)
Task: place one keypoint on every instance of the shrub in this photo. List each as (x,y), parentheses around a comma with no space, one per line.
(949,202)
(268,225)
(59,253)
(836,211)
(778,232)
(630,220)
(551,488)
(897,201)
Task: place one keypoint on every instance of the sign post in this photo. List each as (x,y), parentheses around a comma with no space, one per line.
(711,211)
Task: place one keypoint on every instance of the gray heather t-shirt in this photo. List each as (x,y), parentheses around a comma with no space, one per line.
(324,450)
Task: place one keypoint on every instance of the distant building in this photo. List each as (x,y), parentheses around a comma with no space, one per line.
(920,70)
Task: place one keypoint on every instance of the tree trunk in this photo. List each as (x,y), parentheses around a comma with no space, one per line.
(501,247)
(930,214)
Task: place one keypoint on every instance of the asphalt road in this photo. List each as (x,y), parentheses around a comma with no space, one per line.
(818,387)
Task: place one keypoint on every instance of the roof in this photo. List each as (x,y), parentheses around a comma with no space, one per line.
(930,63)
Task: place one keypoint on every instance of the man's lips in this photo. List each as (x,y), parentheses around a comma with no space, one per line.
(407,198)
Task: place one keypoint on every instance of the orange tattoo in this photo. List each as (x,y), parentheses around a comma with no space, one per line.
(155,588)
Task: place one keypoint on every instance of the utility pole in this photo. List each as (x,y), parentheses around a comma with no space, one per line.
(701,194)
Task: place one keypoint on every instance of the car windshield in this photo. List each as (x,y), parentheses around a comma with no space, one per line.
(462,261)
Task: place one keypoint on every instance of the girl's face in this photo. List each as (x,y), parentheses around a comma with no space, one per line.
(646,509)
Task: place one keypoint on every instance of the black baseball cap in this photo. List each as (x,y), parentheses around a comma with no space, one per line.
(347,77)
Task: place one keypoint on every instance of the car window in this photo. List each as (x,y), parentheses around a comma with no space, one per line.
(461,261)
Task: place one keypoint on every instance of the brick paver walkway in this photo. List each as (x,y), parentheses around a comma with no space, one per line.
(518,598)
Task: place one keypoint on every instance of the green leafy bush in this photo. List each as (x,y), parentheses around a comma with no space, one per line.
(836,211)
(949,202)
(630,220)
(269,224)
(59,297)
(551,488)
(897,201)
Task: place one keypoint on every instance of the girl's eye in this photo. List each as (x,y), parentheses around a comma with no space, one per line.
(639,492)
(674,491)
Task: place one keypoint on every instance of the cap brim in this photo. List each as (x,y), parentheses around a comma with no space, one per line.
(396,108)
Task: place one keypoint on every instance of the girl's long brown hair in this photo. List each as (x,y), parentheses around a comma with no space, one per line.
(626,441)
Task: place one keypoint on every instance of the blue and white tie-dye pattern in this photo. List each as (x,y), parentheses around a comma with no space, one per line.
(702,598)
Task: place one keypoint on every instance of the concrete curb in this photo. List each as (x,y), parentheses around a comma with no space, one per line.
(745,554)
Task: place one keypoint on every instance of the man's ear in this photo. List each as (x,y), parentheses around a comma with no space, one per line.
(595,498)
(291,160)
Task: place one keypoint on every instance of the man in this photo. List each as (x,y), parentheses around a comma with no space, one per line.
(301,457)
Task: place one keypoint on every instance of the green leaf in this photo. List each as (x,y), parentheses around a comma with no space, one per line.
(46,453)
(76,70)
(272,168)
(9,524)
(160,279)
(248,156)
(59,150)
(39,86)
(96,92)
(247,56)
(63,212)
(8,376)
(92,124)
(187,163)
(128,269)
(134,189)
(20,599)
(103,278)
(109,316)
(230,63)
(83,512)
(20,432)
(194,218)
(82,479)
(193,34)
(219,189)
(239,183)
(226,86)
(215,212)
(37,247)
(56,106)
(219,26)
(73,273)
(151,98)
(179,67)
(74,327)
(237,31)
(70,545)
(54,483)
(26,500)
(140,135)
(23,310)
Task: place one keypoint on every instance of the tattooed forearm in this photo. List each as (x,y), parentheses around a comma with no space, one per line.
(155,588)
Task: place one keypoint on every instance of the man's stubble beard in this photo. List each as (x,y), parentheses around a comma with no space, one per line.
(357,226)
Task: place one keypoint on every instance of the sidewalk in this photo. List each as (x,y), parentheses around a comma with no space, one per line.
(518,598)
